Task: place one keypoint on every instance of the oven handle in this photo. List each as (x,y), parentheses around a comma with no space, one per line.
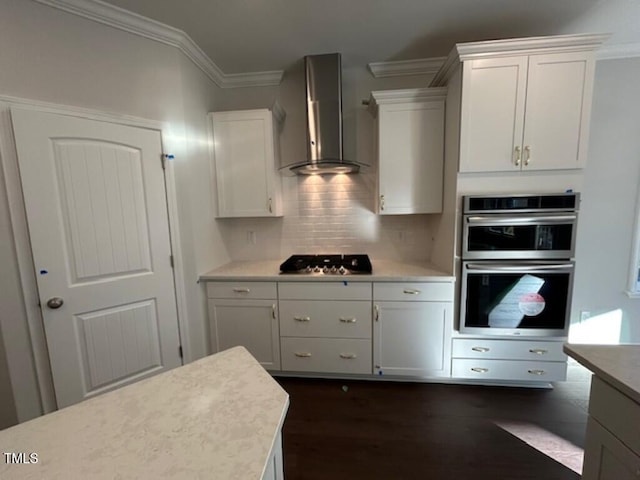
(499,267)
(521,220)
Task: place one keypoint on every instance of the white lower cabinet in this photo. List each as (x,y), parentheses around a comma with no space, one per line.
(325,327)
(275,467)
(516,360)
(327,355)
(612,446)
(245,320)
(412,337)
(329,328)
(606,457)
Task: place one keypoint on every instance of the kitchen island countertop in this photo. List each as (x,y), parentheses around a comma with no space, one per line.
(383,271)
(218,417)
(618,365)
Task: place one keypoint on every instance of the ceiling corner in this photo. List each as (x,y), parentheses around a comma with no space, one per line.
(127,21)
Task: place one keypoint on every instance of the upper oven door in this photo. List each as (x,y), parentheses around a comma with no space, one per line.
(523,236)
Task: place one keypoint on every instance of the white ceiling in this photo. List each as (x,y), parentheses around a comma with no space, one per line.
(243,36)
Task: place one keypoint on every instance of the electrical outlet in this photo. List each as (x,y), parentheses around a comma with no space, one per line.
(251,237)
(584,315)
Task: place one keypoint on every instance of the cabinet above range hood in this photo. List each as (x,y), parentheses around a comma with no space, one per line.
(323,79)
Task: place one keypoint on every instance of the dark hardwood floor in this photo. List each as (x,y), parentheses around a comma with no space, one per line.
(337,429)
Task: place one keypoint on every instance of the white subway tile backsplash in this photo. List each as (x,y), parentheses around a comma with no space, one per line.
(329,214)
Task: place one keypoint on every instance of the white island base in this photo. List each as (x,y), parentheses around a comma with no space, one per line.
(612,447)
(217,418)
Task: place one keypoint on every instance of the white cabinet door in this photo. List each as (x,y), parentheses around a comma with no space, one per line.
(606,457)
(526,112)
(410,148)
(559,90)
(250,323)
(411,153)
(412,338)
(248,183)
(493,102)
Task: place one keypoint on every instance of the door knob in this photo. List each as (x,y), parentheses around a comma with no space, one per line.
(55,302)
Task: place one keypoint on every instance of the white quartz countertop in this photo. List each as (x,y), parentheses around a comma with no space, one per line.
(383,271)
(216,418)
(618,365)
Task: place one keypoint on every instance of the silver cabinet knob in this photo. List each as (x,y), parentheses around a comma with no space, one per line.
(55,302)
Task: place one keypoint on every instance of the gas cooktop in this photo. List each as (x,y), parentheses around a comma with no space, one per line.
(327,264)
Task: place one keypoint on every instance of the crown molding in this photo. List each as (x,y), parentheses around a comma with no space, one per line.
(521,46)
(527,45)
(127,21)
(618,51)
(405,95)
(419,66)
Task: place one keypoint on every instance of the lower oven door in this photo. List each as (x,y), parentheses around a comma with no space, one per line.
(516,298)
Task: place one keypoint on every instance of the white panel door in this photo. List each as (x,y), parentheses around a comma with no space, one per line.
(97,213)
(557,111)
(493,101)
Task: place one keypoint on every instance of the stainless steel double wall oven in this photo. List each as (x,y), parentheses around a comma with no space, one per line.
(518,264)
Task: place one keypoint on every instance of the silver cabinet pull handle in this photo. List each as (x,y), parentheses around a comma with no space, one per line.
(347,319)
(480,349)
(527,155)
(381,202)
(241,290)
(302,354)
(536,372)
(411,291)
(270,205)
(377,312)
(539,351)
(348,356)
(273,311)
(479,370)
(518,155)
(302,319)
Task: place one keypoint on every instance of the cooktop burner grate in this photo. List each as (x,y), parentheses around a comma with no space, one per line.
(327,264)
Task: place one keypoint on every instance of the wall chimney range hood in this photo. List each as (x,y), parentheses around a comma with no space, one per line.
(323,79)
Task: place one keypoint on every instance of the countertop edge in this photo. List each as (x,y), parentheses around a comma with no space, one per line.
(583,358)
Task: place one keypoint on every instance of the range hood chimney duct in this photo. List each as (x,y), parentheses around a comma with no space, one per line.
(323,78)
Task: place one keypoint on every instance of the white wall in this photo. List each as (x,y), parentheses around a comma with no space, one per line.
(327,214)
(52,56)
(605,229)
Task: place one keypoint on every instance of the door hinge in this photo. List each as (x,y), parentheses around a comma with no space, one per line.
(163,159)
(180,351)
(171,261)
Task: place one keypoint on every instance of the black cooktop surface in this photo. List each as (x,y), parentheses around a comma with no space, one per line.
(327,264)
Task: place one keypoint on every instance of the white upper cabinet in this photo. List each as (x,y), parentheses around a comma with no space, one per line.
(246,155)
(525,103)
(410,147)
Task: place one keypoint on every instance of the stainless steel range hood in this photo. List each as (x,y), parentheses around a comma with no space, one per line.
(323,78)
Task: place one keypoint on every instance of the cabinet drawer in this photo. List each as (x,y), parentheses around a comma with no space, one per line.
(321,318)
(343,290)
(616,411)
(508,370)
(242,290)
(327,355)
(423,291)
(508,350)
